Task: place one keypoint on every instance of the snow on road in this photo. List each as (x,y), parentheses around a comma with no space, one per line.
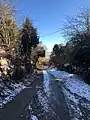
(77,94)
(46,83)
(44,95)
(43,100)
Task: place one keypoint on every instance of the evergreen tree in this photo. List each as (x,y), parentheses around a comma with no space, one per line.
(29,37)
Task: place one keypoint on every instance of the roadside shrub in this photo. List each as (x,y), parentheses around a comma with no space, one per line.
(86,76)
(18,74)
(28,67)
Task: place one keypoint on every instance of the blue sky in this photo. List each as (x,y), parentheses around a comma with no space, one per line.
(48,16)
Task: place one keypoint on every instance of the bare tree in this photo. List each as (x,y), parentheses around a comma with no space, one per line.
(78,24)
(77,31)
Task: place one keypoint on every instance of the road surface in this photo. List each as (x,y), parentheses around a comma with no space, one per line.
(49,102)
(14,109)
(46,99)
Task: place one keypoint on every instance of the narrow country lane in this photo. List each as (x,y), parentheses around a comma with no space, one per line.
(51,95)
(49,102)
(45,98)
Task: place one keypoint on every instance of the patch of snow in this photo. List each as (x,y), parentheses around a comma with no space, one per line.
(79,87)
(43,100)
(76,92)
(72,102)
(46,83)
(52,69)
(73,83)
(8,93)
(86,105)
(45,103)
(33,117)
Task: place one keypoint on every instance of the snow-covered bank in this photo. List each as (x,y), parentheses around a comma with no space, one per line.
(76,93)
(8,93)
(73,83)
